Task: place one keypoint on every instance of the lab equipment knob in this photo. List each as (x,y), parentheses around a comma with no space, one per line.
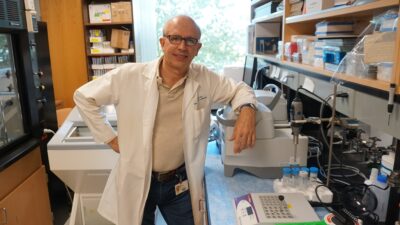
(8,74)
(40,73)
(43,100)
(10,88)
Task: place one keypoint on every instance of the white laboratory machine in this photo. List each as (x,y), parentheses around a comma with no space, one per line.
(83,165)
(274,146)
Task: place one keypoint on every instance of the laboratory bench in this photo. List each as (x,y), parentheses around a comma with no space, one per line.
(221,190)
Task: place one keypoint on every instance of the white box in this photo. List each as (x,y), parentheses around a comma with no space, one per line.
(96,39)
(100,13)
(97,66)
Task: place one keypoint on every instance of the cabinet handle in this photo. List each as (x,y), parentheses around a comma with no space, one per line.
(4,222)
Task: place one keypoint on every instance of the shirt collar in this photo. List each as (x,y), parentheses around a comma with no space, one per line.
(159,78)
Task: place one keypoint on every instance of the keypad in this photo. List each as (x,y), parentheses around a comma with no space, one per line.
(274,208)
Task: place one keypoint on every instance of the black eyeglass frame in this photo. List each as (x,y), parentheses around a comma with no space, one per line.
(177,39)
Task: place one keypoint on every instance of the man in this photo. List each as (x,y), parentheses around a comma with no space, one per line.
(163,110)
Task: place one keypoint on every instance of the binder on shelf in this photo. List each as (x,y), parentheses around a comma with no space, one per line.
(326,28)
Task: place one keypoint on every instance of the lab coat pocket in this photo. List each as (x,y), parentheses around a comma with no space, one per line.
(201,103)
(200,121)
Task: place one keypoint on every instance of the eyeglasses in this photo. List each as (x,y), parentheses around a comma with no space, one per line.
(176,40)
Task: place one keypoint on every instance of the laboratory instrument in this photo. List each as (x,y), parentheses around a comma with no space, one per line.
(269,208)
(273,148)
(83,165)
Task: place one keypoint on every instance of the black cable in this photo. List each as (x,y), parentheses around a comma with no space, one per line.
(373,185)
(319,199)
(313,94)
(257,78)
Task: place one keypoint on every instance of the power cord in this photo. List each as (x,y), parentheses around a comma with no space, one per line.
(48,131)
(256,82)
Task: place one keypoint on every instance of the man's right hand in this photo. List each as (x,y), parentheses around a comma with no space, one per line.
(114,144)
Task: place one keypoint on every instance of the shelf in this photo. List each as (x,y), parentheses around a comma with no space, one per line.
(271,58)
(106,24)
(343,11)
(377,84)
(257,2)
(109,54)
(274,17)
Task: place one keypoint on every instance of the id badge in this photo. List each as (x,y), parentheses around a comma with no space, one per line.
(181,187)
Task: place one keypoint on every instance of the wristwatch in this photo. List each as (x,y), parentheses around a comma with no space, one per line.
(251,105)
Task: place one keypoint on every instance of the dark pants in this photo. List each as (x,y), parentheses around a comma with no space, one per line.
(176,209)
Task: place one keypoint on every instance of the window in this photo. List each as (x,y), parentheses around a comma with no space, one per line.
(223,24)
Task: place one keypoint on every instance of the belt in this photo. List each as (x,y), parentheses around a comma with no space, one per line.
(169,175)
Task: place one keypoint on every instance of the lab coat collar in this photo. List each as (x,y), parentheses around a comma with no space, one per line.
(191,87)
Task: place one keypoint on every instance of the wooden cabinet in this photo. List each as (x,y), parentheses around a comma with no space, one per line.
(67,46)
(108,42)
(24,194)
(305,25)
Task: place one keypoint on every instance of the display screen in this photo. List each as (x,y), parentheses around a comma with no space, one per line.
(248,76)
(11,119)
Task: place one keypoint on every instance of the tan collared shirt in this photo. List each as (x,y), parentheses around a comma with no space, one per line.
(168,127)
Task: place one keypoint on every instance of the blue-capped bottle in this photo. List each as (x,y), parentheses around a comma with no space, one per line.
(295,177)
(286,177)
(313,176)
(303,178)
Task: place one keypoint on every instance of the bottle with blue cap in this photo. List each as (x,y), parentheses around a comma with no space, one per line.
(303,178)
(287,174)
(313,175)
(295,177)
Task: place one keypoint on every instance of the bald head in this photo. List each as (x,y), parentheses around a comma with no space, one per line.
(181,21)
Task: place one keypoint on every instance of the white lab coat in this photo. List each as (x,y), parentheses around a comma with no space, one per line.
(132,88)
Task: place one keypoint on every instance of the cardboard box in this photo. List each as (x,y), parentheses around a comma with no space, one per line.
(318,5)
(120,38)
(121,12)
(379,47)
(100,13)
(262,30)
(296,7)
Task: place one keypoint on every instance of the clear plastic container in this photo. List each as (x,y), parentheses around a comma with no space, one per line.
(295,177)
(313,175)
(303,174)
(286,177)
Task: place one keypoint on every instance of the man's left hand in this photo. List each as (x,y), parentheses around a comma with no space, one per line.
(244,133)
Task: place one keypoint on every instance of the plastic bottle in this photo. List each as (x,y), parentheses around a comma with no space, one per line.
(313,176)
(295,177)
(287,173)
(303,178)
